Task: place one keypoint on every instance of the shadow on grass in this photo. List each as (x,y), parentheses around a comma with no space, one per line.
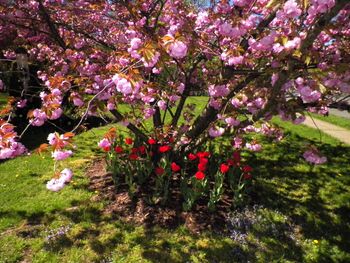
(299,203)
(316,198)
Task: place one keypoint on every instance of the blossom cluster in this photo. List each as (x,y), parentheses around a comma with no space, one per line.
(182,32)
(9,146)
(59,144)
(313,156)
(57,184)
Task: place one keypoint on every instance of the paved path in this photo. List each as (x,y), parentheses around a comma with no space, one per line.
(337,132)
(340,113)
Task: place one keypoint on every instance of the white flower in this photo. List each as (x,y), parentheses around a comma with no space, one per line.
(55,185)
(66,175)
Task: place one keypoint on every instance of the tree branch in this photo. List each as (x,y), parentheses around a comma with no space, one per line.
(130,126)
(210,114)
(186,93)
(51,26)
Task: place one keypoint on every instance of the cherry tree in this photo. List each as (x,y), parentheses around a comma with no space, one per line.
(252,58)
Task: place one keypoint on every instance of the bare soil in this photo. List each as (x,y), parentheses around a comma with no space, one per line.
(139,211)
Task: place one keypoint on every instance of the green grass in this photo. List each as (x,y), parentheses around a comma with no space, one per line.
(333,119)
(304,213)
(29,211)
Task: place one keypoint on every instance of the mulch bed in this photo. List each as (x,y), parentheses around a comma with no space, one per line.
(140,212)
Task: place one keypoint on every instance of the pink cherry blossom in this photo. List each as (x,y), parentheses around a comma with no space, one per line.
(6,153)
(314,157)
(300,118)
(162,104)
(55,185)
(255,147)
(135,43)
(242,2)
(52,138)
(225,29)
(237,142)
(236,60)
(56,114)
(293,44)
(216,131)
(104,143)
(78,102)
(232,121)
(39,118)
(178,49)
(66,175)
(60,155)
(218,91)
(216,104)
(181,88)
(124,86)
(291,10)
(148,112)
(22,103)
(308,95)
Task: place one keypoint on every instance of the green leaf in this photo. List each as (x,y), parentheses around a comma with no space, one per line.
(307,60)
(272,3)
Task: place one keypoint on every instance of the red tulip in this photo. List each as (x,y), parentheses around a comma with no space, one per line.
(175,168)
(152,141)
(118,149)
(192,157)
(128,141)
(247,169)
(203,154)
(237,157)
(142,149)
(134,150)
(231,162)
(107,148)
(247,176)
(202,167)
(133,156)
(200,175)
(159,171)
(224,168)
(203,160)
(164,148)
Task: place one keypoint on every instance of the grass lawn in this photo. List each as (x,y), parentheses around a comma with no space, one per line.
(336,120)
(301,213)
